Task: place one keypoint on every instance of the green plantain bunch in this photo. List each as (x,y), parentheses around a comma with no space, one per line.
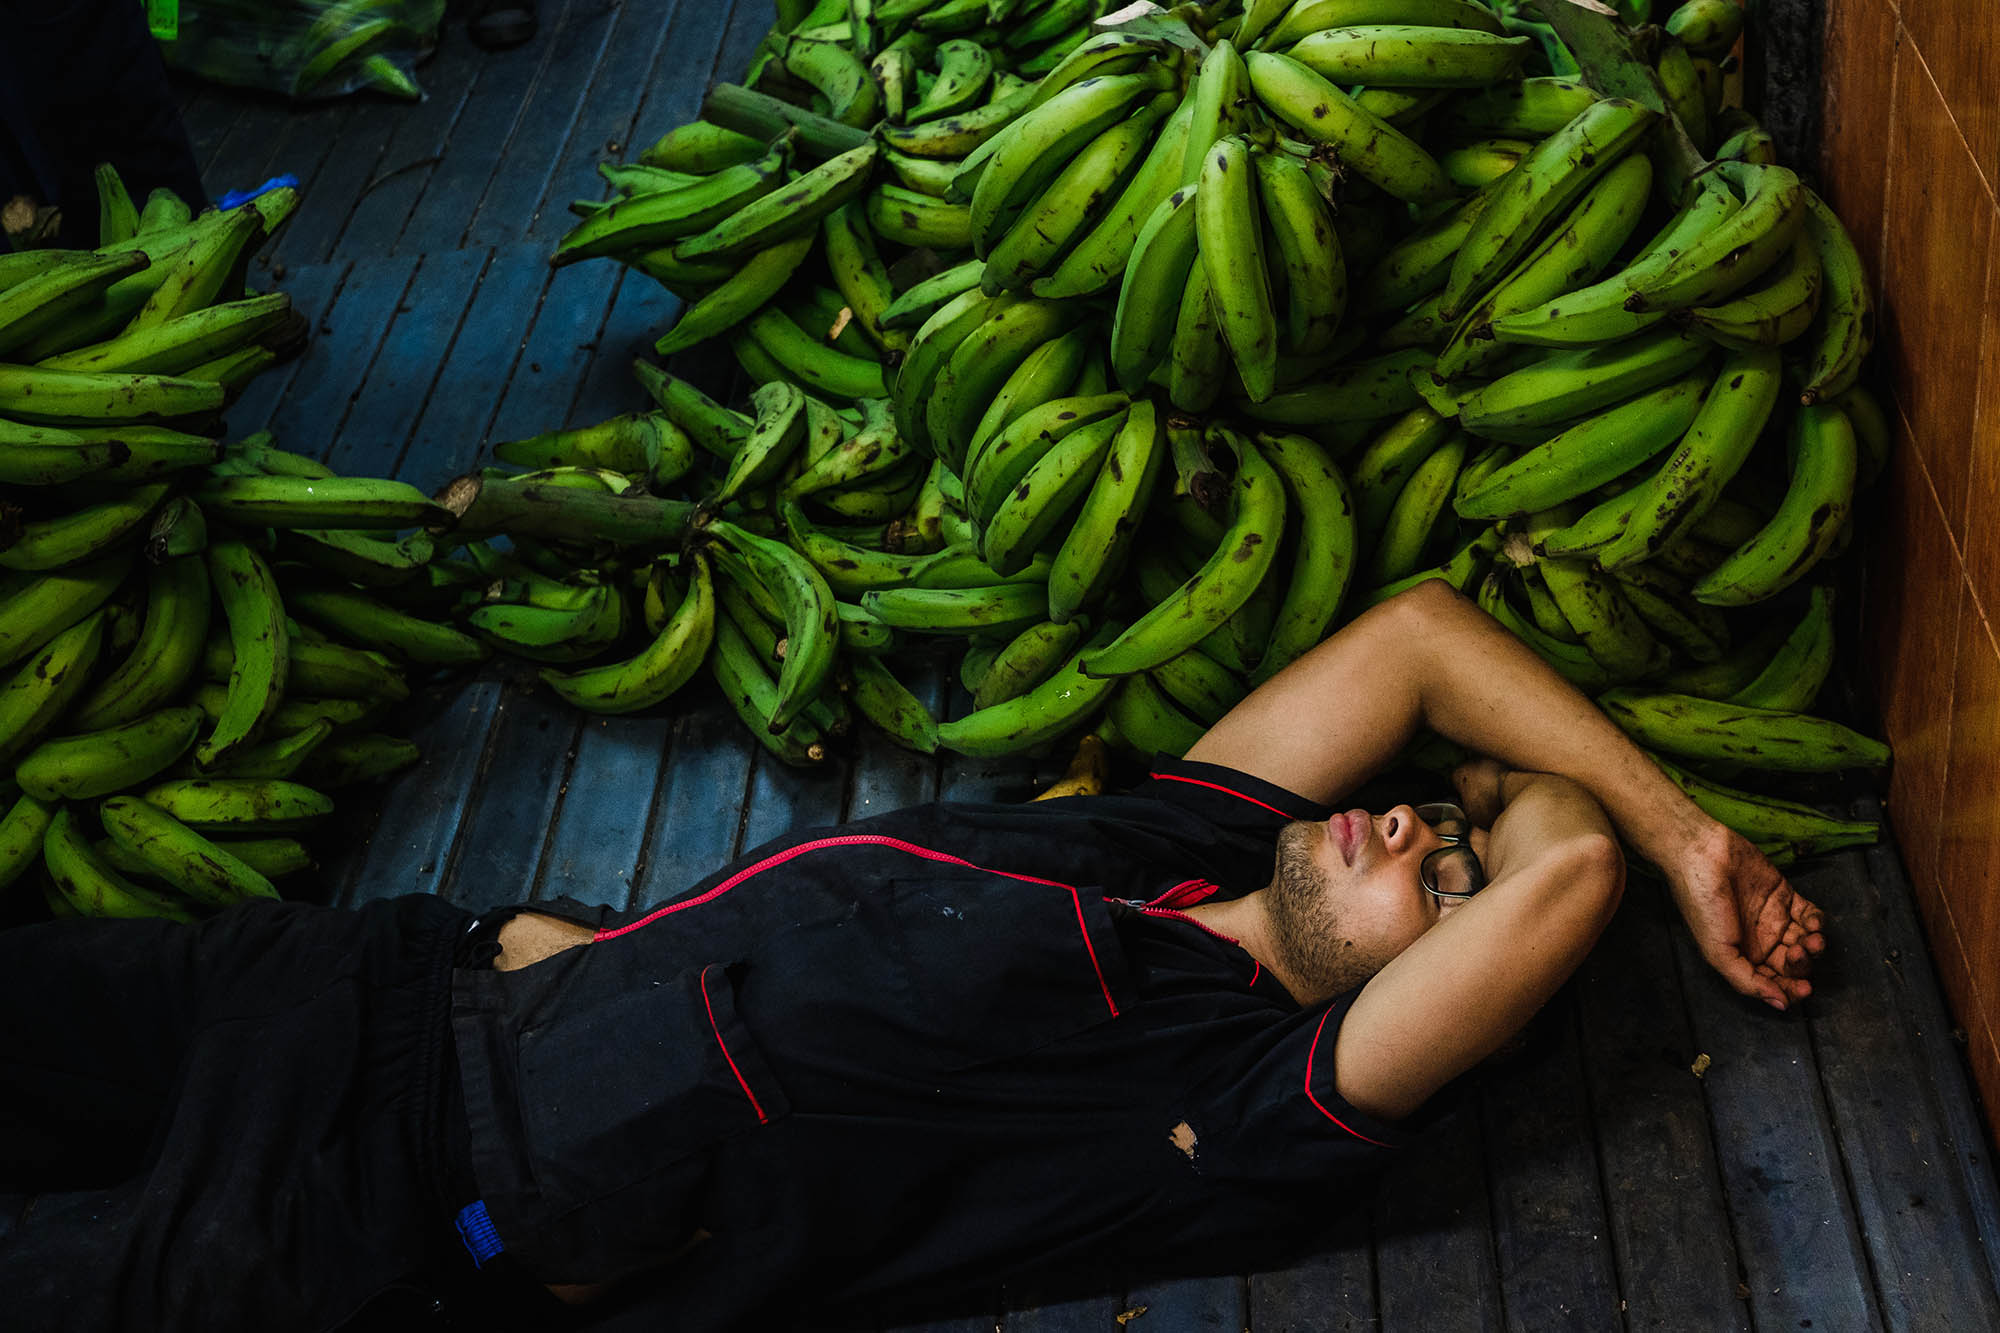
(1154,358)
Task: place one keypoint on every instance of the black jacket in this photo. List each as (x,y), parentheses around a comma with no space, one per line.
(913,1054)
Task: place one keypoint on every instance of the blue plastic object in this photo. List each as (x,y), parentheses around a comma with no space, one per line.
(475,1228)
(237,198)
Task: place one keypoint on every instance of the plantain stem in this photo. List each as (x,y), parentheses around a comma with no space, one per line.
(486,506)
(764,118)
(1603,50)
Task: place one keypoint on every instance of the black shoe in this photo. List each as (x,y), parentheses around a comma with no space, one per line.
(497,25)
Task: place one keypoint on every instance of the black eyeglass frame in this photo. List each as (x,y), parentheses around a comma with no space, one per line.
(1440,815)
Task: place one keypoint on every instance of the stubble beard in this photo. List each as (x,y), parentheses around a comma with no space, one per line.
(1313,950)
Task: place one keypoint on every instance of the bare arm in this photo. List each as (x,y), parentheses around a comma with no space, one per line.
(1430,658)
(1478,975)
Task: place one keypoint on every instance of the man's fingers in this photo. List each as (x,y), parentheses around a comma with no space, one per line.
(1802,945)
(1792,919)
(1478,781)
(1774,916)
(1769,991)
(1783,976)
(1780,990)
(1784,951)
(1746,979)
(1793,956)
(1795,988)
(1807,927)
(1797,961)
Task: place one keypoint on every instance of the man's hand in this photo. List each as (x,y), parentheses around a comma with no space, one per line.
(1481,794)
(1747,920)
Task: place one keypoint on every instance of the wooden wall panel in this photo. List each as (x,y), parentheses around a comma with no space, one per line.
(1963,45)
(1912,634)
(1910,158)
(1937,223)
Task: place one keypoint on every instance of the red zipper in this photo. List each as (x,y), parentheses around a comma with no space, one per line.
(1178,915)
(1256,968)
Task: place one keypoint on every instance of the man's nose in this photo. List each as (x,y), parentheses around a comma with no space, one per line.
(1401,829)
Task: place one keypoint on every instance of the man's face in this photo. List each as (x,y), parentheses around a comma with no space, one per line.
(1349,896)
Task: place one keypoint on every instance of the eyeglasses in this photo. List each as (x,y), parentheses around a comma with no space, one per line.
(1453,870)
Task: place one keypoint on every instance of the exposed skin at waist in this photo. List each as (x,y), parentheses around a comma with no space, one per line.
(532,936)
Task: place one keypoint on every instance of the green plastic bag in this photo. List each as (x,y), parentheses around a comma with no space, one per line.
(163,19)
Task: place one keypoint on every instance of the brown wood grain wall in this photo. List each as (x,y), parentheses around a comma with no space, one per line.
(1910,158)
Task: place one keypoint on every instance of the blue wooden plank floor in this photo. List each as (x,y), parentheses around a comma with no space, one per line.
(1827,1170)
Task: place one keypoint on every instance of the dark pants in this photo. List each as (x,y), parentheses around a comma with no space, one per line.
(245,1124)
(82,82)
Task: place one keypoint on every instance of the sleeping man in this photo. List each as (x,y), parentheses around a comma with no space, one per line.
(1175,1029)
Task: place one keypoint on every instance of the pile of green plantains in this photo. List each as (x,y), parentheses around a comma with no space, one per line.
(1121,361)
(1135,379)
(166,726)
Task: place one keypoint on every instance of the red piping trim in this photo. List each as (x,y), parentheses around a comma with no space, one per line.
(741,1082)
(1255,972)
(1316,1102)
(1216,786)
(871,840)
(1184,885)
